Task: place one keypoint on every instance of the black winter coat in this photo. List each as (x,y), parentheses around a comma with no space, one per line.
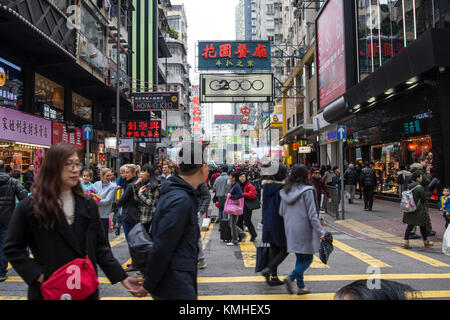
(53,249)
(368,177)
(350,177)
(130,206)
(204,198)
(172,262)
(9,189)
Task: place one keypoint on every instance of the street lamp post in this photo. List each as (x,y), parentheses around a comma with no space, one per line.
(119,9)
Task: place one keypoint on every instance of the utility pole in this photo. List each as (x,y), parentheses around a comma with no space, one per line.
(119,9)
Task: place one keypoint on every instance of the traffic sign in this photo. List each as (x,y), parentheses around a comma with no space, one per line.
(341,132)
(88,132)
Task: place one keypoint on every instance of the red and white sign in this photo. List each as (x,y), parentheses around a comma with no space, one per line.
(60,134)
(331,52)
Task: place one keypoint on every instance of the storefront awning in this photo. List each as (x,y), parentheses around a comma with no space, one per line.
(301,129)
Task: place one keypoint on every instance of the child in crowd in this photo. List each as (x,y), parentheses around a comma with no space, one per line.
(445,205)
(86,183)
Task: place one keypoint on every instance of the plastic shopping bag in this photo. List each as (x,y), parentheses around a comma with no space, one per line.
(446,242)
(234,207)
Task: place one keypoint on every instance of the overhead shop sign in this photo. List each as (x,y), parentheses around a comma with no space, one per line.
(156,101)
(144,131)
(228,119)
(234,55)
(236,88)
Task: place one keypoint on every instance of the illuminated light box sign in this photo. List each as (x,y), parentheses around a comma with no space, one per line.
(156,101)
(144,131)
(234,55)
(331,52)
(228,119)
(236,88)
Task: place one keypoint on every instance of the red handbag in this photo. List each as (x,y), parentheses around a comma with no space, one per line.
(76,280)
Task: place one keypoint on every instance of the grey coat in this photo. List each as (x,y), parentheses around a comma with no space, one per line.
(301,220)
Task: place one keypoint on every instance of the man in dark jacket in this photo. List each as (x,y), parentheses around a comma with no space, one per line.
(172,262)
(320,185)
(9,189)
(28,178)
(350,178)
(368,182)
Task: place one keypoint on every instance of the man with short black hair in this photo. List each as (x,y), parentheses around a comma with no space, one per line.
(10,188)
(222,187)
(172,262)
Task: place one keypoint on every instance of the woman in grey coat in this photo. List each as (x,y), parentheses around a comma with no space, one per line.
(302,225)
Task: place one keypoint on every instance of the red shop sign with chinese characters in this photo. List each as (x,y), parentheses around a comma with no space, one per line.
(60,134)
(144,131)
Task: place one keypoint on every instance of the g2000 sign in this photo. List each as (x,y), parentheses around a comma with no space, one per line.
(156,101)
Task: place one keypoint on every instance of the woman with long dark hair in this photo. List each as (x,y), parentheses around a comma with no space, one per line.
(146,192)
(59,224)
(299,210)
(250,194)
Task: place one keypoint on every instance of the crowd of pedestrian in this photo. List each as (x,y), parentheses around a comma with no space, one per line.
(69,211)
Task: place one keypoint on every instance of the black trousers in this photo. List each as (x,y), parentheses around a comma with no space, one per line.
(368,197)
(247,218)
(277,256)
(105,224)
(409,228)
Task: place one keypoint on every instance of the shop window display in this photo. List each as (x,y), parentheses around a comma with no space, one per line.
(81,107)
(49,98)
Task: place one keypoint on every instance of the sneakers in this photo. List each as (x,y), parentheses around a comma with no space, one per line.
(266,274)
(405,244)
(303,291)
(230,244)
(275,281)
(253,238)
(202,263)
(242,237)
(290,285)
(413,236)
(431,234)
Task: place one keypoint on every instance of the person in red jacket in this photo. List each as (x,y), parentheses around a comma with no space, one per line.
(250,194)
(214,176)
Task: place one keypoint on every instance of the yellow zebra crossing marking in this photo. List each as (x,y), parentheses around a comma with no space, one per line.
(360,255)
(417,256)
(377,234)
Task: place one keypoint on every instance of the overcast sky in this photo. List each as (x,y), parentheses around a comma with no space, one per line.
(208,20)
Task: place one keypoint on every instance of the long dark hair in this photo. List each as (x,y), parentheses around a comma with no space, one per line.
(298,176)
(47,187)
(151,172)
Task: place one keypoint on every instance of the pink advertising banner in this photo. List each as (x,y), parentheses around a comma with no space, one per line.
(21,127)
(331,53)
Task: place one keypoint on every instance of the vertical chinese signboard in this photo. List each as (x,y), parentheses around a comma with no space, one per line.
(331,64)
(196,112)
(60,134)
(234,55)
(144,131)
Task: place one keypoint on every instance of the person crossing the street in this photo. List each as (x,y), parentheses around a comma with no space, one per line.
(368,182)
(250,196)
(237,234)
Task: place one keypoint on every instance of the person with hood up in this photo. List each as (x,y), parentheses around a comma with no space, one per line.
(304,231)
(273,225)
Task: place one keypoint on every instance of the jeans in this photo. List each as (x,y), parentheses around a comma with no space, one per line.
(127,228)
(201,254)
(303,262)
(247,218)
(222,201)
(235,230)
(277,256)
(3,262)
(105,224)
(368,196)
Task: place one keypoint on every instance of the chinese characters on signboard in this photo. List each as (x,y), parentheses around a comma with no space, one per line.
(20,127)
(412,127)
(196,112)
(245,111)
(234,55)
(144,131)
(60,134)
(228,119)
(156,101)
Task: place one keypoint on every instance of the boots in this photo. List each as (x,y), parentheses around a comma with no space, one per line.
(406,245)
(428,243)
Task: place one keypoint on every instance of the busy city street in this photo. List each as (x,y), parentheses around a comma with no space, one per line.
(229,153)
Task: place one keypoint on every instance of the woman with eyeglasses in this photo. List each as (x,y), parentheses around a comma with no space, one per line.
(59,224)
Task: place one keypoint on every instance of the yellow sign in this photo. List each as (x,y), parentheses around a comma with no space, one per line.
(2,77)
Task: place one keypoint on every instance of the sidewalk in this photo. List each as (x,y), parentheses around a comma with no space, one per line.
(384,224)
